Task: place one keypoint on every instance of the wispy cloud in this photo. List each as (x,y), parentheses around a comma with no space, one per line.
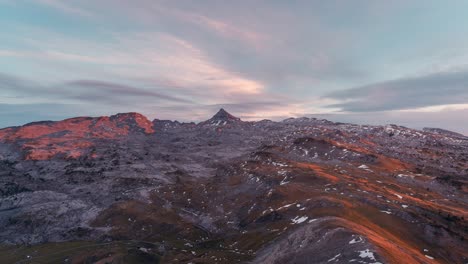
(226,30)
(430,90)
(91,90)
(81,91)
(155,57)
(65,7)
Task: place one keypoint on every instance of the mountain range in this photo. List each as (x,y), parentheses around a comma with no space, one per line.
(124,189)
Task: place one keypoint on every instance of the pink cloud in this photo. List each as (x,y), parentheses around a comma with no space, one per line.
(227,30)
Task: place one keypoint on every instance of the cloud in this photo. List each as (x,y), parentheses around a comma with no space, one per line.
(65,7)
(17,90)
(408,93)
(189,66)
(253,41)
(12,86)
(225,29)
(155,57)
(56,55)
(99,90)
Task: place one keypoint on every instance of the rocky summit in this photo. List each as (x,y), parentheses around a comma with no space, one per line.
(221,118)
(124,189)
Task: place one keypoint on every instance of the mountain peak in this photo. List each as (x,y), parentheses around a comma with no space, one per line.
(224,116)
(221,118)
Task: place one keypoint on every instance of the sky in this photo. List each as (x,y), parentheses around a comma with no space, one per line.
(363,61)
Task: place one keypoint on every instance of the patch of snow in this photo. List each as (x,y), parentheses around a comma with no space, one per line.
(365,167)
(285,206)
(404,206)
(283,182)
(251,208)
(404,175)
(354,241)
(387,212)
(279,164)
(366,254)
(334,258)
(267,211)
(399,196)
(299,219)
(429,257)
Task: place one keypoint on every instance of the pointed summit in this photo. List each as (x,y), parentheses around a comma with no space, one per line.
(223,115)
(221,118)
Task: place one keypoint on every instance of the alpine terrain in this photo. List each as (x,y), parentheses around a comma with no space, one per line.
(124,189)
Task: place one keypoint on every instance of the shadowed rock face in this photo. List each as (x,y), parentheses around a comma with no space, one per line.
(122,189)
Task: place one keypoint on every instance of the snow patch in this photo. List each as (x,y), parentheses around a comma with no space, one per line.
(285,206)
(354,241)
(365,167)
(299,219)
(366,254)
(278,164)
(405,176)
(283,182)
(334,258)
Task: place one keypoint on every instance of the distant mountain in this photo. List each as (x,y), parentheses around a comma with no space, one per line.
(123,189)
(441,131)
(221,118)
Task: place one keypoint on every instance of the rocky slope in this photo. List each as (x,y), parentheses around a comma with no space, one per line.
(122,189)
